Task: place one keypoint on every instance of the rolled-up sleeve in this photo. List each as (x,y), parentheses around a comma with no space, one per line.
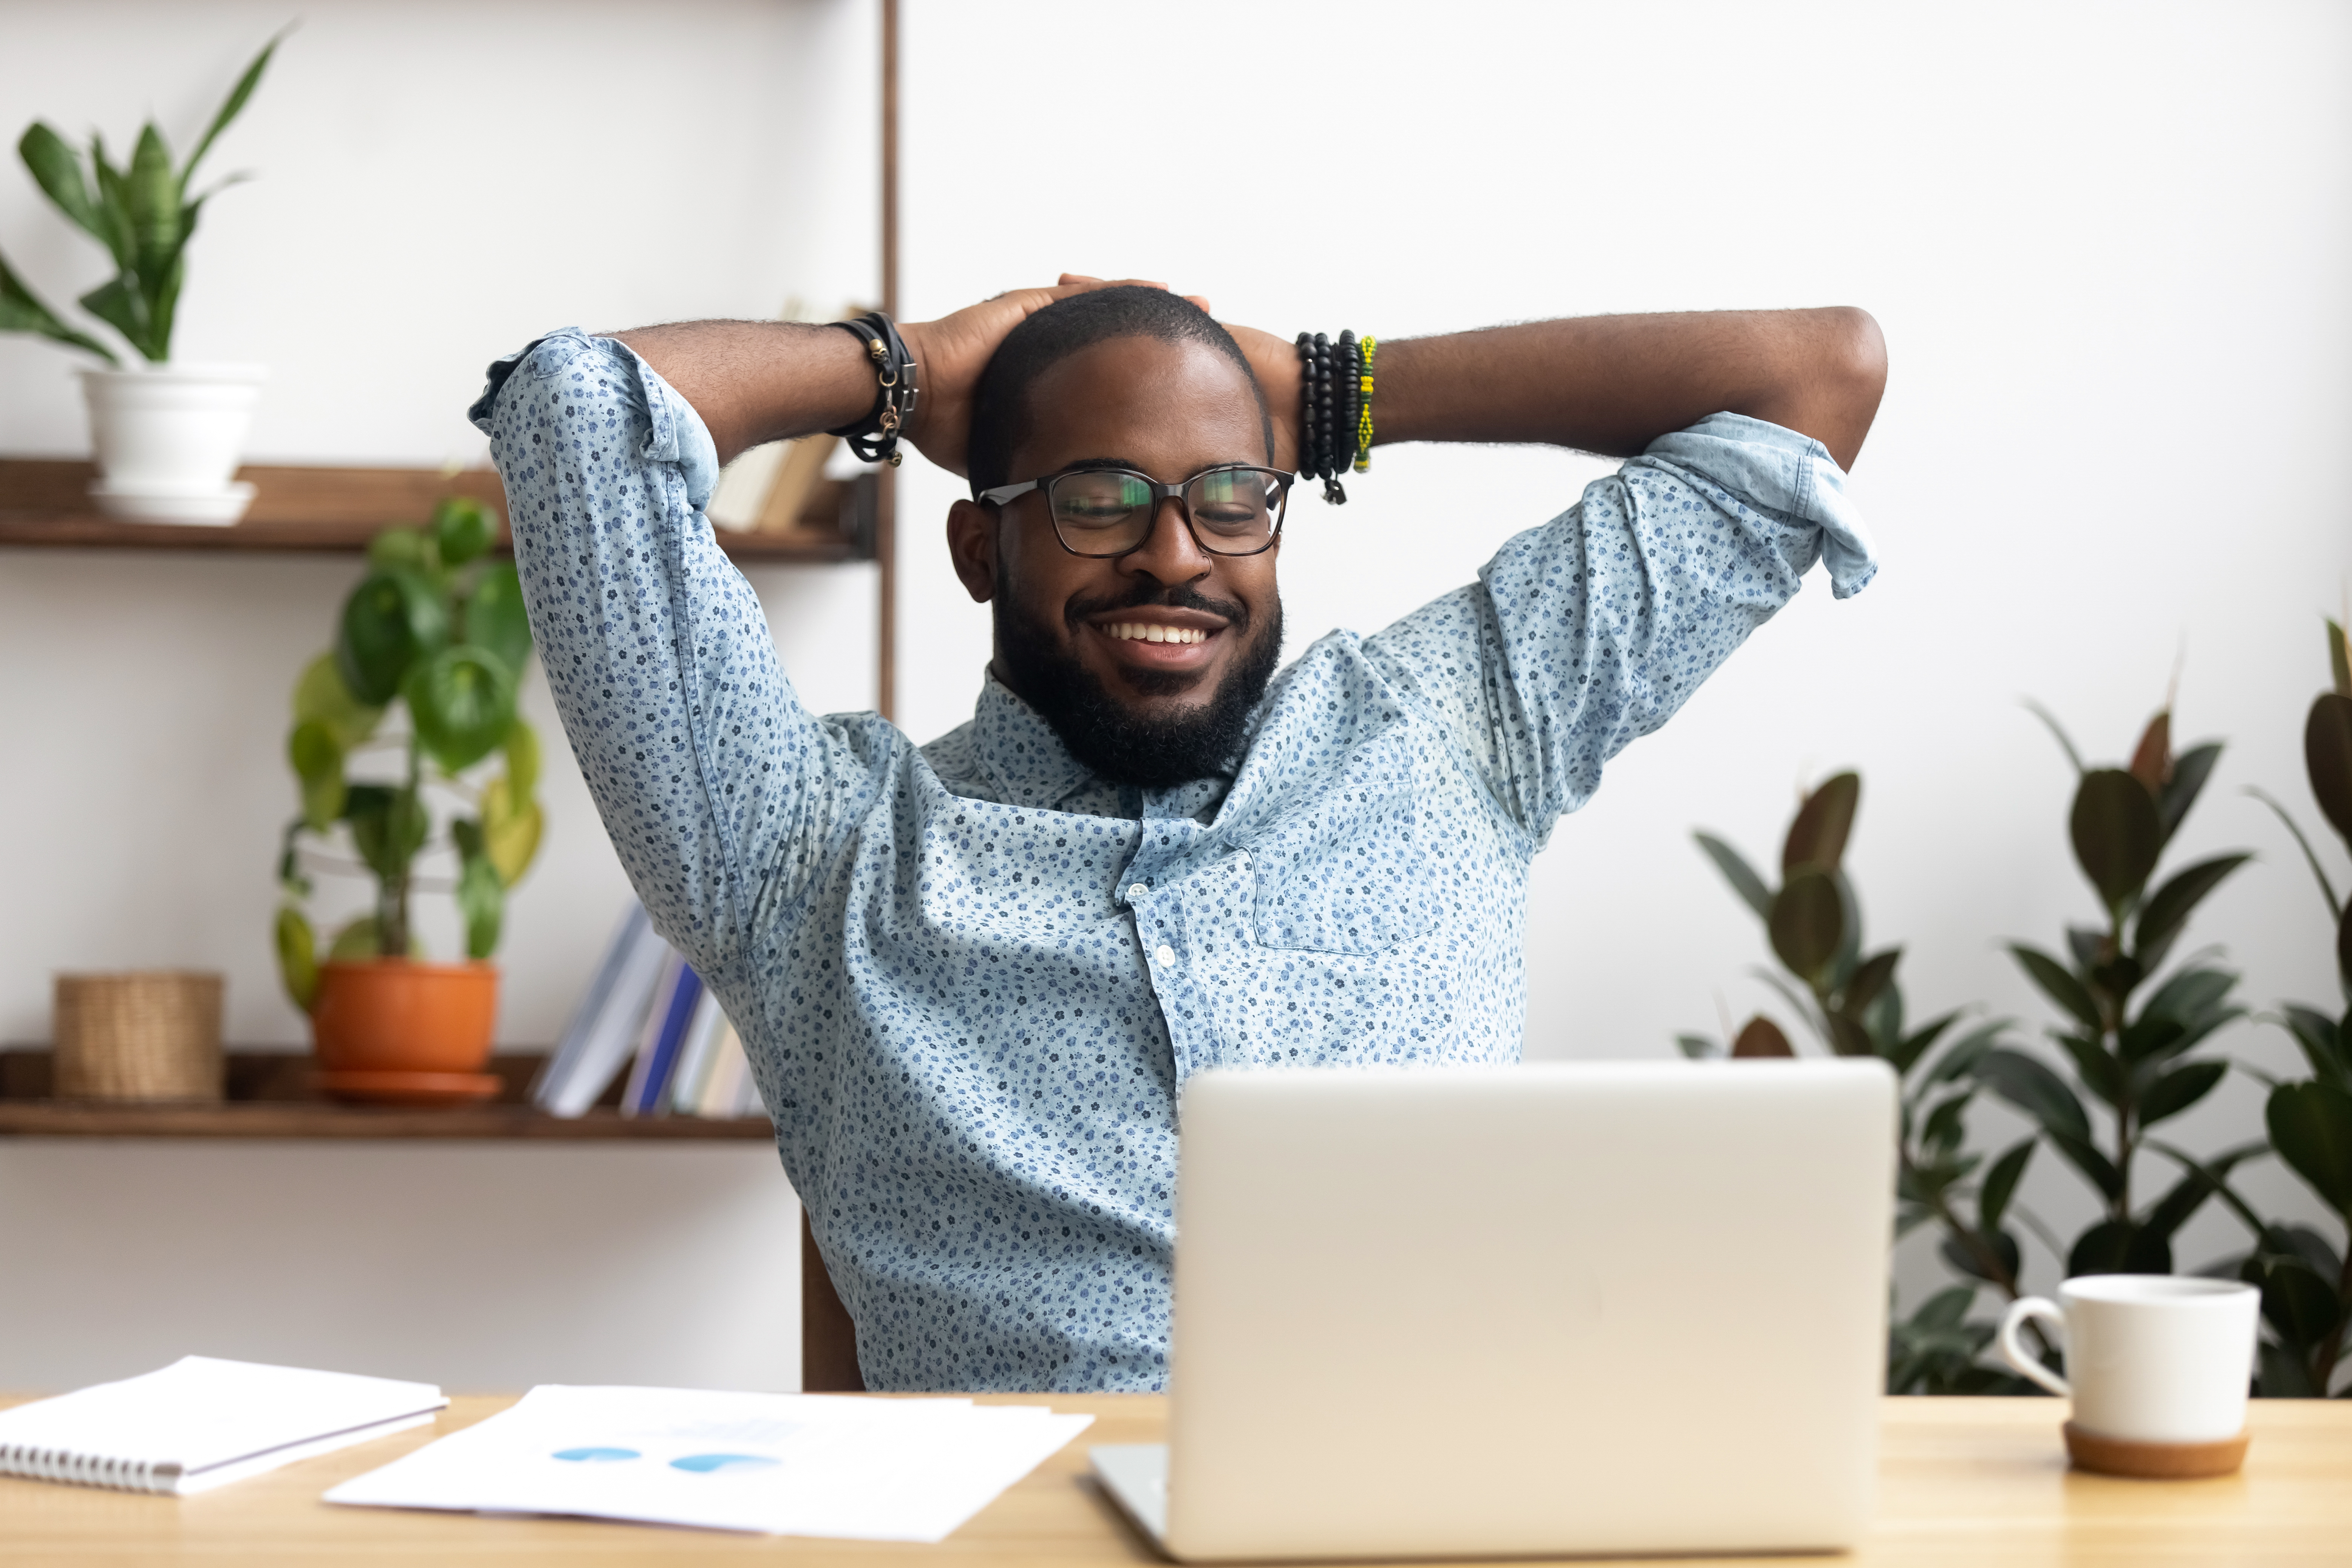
(1589,632)
(727,800)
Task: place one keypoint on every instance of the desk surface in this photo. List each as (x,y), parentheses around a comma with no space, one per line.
(1967,1482)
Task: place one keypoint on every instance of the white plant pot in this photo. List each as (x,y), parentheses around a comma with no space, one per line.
(168,439)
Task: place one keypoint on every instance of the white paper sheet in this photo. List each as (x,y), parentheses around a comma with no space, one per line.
(782,1464)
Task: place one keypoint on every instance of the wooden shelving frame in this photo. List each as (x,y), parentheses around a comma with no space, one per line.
(44,504)
(270,1096)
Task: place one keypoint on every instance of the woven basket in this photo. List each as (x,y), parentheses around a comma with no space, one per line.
(153,1035)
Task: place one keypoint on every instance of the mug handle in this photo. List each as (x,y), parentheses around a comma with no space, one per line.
(2044,1309)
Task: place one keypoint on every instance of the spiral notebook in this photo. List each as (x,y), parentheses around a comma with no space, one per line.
(201,1423)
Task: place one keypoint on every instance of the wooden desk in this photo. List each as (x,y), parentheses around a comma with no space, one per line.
(1967,1482)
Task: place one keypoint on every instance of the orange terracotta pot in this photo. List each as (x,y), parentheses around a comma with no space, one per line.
(395,1015)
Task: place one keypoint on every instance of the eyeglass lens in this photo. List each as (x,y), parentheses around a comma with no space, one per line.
(1107,511)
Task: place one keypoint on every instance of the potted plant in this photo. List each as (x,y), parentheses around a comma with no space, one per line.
(2306,1277)
(2135,1069)
(1851,1001)
(166,435)
(437,629)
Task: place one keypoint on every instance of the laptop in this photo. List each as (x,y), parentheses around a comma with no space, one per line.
(1589,1307)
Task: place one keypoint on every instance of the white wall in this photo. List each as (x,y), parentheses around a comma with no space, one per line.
(482,1268)
(2107,244)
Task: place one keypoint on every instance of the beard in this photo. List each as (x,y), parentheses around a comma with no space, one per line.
(1148,750)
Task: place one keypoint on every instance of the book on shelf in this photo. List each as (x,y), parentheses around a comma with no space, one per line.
(602,1035)
(648,1015)
(795,484)
(769,489)
(658,1040)
(695,1052)
(728,1090)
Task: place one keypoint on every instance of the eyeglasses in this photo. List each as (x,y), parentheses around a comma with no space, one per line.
(1230,510)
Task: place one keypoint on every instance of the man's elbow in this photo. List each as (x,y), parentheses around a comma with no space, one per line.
(1852,378)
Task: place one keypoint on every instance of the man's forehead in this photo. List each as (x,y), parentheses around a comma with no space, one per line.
(1143,404)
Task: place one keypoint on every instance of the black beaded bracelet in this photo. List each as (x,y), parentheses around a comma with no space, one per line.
(1348,374)
(875,438)
(1326,409)
(1305,343)
(1322,404)
(1318,368)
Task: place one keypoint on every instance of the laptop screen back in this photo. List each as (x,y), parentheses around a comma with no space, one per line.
(1604,1307)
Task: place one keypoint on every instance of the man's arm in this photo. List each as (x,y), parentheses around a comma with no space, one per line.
(1610,384)
(1591,631)
(1613,384)
(755,382)
(727,800)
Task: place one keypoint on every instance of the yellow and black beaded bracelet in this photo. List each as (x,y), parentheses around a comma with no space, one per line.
(1369,346)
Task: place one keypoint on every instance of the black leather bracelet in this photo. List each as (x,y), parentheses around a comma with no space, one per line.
(875,438)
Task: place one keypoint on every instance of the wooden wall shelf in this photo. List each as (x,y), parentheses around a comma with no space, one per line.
(270,1096)
(44,503)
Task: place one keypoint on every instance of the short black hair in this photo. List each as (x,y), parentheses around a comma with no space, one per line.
(1000,404)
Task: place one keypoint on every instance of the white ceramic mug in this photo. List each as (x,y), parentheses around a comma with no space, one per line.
(2151,1358)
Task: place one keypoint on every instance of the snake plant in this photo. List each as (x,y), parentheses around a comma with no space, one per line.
(141,211)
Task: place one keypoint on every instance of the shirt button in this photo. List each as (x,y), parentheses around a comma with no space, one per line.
(1165,954)
(1137,890)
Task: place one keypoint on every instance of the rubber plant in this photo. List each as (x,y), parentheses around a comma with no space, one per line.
(2132,1061)
(141,211)
(1851,1003)
(2305,1279)
(438,629)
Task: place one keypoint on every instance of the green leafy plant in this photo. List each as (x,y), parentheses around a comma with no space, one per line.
(2134,1065)
(141,211)
(1849,1001)
(439,628)
(2305,1279)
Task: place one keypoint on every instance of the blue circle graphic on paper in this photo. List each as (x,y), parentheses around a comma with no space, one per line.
(706,1463)
(596,1456)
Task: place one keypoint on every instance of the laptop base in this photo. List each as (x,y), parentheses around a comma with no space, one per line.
(1135,1476)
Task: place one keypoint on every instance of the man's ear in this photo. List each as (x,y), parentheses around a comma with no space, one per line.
(971,545)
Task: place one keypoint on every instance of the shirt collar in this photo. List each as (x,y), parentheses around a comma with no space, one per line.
(1033,768)
(1015,744)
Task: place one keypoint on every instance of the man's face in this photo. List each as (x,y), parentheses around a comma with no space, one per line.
(1074,633)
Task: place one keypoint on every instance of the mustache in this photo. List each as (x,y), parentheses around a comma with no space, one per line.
(1147,593)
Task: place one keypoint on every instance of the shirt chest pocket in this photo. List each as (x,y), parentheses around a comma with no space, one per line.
(1355,872)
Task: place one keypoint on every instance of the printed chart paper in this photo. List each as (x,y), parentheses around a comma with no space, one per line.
(782,1464)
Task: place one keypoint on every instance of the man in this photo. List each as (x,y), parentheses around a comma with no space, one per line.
(973,976)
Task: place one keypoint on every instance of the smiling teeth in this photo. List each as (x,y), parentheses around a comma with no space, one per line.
(1129,631)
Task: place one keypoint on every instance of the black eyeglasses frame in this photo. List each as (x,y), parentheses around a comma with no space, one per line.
(1160,493)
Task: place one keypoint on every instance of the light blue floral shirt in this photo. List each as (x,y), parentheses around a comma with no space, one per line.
(972,977)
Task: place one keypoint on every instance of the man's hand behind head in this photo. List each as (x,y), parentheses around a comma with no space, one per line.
(1274,361)
(952,351)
